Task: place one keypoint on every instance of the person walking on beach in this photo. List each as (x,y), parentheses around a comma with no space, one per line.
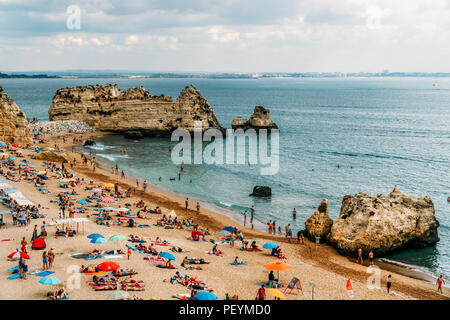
(439,282)
(43,231)
(198,207)
(389,283)
(294,214)
(270,226)
(128,253)
(23,247)
(360,256)
(245,217)
(252,213)
(186,203)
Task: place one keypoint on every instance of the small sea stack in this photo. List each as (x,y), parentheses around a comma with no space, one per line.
(260,119)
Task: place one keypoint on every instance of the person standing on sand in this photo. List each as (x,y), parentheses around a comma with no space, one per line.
(371,258)
(35,235)
(24,243)
(360,256)
(137,184)
(317,241)
(198,207)
(439,282)
(44,260)
(186,203)
(389,283)
(128,253)
(245,217)
(261,293)
(51,258)
(145,185)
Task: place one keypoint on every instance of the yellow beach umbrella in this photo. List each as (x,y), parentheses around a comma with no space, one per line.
(109,185)
(42,172)
(276,293)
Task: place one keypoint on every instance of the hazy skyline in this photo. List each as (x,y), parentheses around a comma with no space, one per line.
(226,36)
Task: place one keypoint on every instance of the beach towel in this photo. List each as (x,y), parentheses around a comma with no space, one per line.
(253,249)
(237,264)
(14,276)
(45,273)
(113,256)
(214,254)
(78,255)
(4,240)
(96,256)
(14,268)
(154,260)
(93,273)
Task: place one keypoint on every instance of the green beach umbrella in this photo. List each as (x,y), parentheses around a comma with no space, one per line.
(117,237)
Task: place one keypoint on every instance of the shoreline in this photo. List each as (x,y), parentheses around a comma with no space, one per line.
(322,264)
(410,271)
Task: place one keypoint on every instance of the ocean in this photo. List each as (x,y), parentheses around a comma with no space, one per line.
(381,132)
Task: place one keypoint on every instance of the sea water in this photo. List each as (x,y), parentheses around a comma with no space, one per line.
(338,136)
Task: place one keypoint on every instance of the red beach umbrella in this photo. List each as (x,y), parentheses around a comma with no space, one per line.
(108,266)
(16,255)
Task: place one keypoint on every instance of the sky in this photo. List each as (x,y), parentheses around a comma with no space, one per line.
(226,35)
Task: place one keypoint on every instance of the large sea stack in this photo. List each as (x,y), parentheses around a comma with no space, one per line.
(260,119)
(319,224)
(133,111)
(13,122)
(384,223)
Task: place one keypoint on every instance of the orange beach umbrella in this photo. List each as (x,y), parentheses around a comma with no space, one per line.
(279,266)
(108,266)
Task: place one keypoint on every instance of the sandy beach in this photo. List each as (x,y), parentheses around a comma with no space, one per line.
(321,265)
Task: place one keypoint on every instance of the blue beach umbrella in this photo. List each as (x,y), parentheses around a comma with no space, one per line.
(11,159)
(270,245)
(231,229)
(205,295)
(50,280)
(94,235)
(2,144)
(99,240)
(167,255)
(82,202)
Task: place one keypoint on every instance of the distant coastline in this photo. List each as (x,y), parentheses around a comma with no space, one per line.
(130,74)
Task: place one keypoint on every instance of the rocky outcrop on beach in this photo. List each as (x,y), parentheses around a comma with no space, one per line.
(319,224)
(13,122)
(261,191)
(52,156)
(260,119)
(55,127)
(134,110)
(384,223)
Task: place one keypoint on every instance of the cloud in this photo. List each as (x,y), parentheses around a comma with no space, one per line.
(228,35)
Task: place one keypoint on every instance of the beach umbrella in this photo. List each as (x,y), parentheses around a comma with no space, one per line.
(50,280)
(117,237)
(11,159)
(279,266)
(2,144)
(224,233)
(42,177)
(205,295)
(270,245)
(167,255)
(122,210)
(96,190)
(28,169)
(82,202)
(118,295)
(109,200)
(99,240)
(94,235)
(231,229)
(16,255)
(276,293)
(108,266)
(109,185)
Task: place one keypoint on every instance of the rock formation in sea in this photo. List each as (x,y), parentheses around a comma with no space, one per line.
(260,119)
(319,224)
(261,191)
(13,122)
(134,110)
(384,223)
